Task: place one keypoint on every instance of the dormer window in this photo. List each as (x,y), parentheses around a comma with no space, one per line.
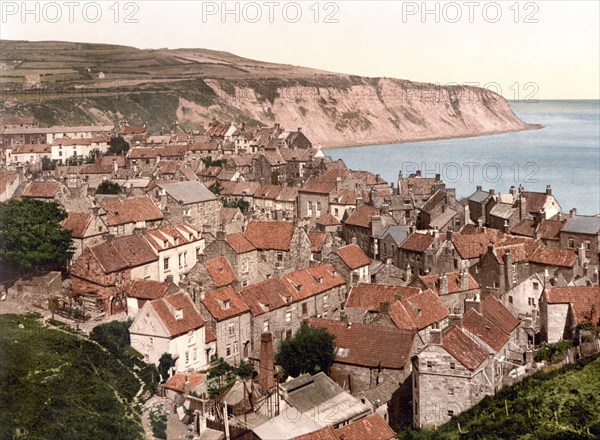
(226,304)
(179,314)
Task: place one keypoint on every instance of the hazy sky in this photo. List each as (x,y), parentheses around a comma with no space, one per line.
(541,49)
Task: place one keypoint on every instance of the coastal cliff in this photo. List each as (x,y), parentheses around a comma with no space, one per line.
(78,83)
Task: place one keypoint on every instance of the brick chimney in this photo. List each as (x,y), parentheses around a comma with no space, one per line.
(435,337)
(267,364)
(443,285)
(463,280)
(522,207)
(513,191)
(449,234)
(473,303)
(573,212)
(384,307)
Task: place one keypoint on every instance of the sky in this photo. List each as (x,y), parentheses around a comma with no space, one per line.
(523,50)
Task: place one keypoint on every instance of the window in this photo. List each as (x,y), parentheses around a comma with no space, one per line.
(151,340)
(309,207)
(510,299)
(265,326)
(450,413)
(185,258)
(228,350)
(288,316)
(166,263)
(531,301)
(318,208)
(571,243)
(304,308)
(245,266)
(236,349)
(180,259)
(195,354)
(536,286)
(279,256)
(244,283)
(451,391)
(429,364)
(288,334)
(325,301)
(435,326)
(191,337)
(587,245)
(187,357)
(336,211)
(231,329)
(452,366)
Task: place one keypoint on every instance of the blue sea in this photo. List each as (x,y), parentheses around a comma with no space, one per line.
(565,154)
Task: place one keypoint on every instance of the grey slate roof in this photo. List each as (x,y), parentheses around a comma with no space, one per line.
(442,220)
(503,210)
(582,224)
(479,196)
(308,394)
(188,192)
(398,233)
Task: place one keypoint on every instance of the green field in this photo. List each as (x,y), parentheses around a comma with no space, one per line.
(59,386)
(553,405)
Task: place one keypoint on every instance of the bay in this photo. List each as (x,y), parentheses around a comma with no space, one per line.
(565,154)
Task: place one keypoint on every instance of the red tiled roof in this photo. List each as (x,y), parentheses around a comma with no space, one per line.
(325,183)
(305,283)
(477,324)
(584,301)
(120,253)
(42,190)
(270,235)
(497,312)
(227,215)
(207,146)
(77,223)
(240,243)
(317,239)
(343,197)
(225,303)
(178,380)
(220,271)
(369,297)
(548,229)
(433,282)
(327,433)
(328,220)
(419,185)
(130,210)
(372,427)
(554,257)
(362,216)
(267,295)
(178,151)
(133,129)
(353,256)
(166,309)
(147,289)
(418,311)
(32,148)
(368,345)
(209,336)
(7,178)
(464,349)
(535,201)
(417,242)
(145,152)
(268,192)
(369,178)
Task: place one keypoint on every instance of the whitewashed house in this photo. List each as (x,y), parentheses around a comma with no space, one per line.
(172,325)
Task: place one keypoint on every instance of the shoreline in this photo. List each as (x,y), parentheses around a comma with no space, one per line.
(528,127)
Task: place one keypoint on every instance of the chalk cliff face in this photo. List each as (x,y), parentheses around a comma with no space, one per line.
(374,111)
(79,83)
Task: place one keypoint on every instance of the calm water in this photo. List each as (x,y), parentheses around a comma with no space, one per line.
(565,153)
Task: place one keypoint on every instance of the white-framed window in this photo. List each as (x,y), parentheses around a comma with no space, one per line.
(231,329)
(228,350)
(452,366)
(304,309)
(187,357)
(288,316)
(180,260)
(236,349)
(191,337)
(265,326)
(166,263)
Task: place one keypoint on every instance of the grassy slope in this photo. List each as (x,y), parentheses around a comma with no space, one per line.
(57,386)
(560,404)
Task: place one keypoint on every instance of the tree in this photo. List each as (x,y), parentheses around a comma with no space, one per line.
(216,188)
(310,350)
(118,145)
(114,335)
(47,164)
(32,237)
(165,363)
(108,187)
(241,204)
